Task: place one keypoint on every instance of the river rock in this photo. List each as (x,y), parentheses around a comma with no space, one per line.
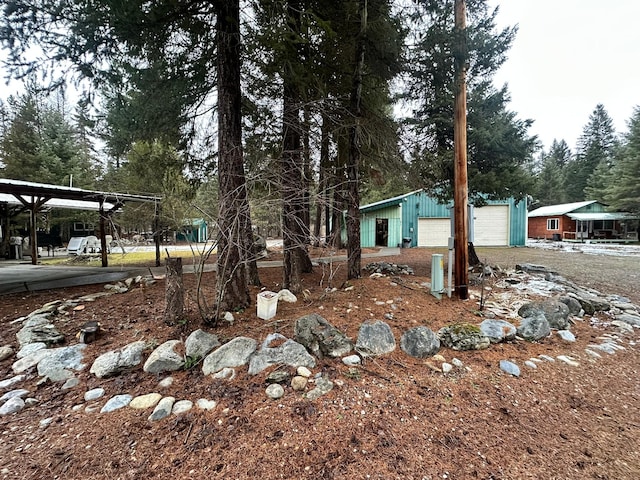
(12,405)
(323,386)
(164,358)
(6,351)
(566,335)
(320,337)
(375,338)
(274,391)
(463,336)
(94,394)
(163,409)
(629,318)
(534,328)
(181,406)
(116,402)
(234,353)
(510,368)
(290,353)
(420,342)
(116,361)
(556,313)
(199,343)
(498,330)
(143,402)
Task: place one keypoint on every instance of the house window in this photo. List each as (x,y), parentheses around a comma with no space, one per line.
(553,224)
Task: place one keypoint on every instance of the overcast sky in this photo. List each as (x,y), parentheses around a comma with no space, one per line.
(568,56)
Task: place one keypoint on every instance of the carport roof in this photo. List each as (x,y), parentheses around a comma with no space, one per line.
(19,192)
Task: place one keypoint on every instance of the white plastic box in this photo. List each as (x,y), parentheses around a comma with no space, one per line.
(267,304)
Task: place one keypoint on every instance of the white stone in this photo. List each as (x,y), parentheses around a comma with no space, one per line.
(205,404)
(29,348)
(303,372)
(13,405)
(10,382)
(94,394)
(352,360)
(142,402)
(530,364)
(457,362)
(166,382)
(181,406)
(446,367)
(568,360)
(274,391)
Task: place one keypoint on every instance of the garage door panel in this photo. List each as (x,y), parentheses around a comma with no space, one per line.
(491,226)
(433,232)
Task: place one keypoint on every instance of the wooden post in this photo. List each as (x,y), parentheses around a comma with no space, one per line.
(103,236)
(174,295)
(460,189)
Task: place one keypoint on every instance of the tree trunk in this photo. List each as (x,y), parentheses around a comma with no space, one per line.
(233,223)
(295,233)
(322,203)
(354,251)
(174,295)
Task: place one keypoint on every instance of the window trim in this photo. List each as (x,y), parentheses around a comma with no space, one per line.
(551,222)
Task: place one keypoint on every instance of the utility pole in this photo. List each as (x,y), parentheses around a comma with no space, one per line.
(460,187)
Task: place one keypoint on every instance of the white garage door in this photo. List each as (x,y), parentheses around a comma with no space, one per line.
(433,232)
(491,226)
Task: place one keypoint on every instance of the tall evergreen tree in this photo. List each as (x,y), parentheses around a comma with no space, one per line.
(549,187)
(596,145)
(499,145)
(623,189)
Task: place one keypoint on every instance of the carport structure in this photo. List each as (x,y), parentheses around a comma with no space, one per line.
(35,197)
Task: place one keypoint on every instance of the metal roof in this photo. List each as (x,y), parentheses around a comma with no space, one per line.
(51,194)
(11,199)
(583,217)
(561,209)
(387,202)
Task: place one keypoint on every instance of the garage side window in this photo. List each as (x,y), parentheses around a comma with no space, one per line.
(553,224)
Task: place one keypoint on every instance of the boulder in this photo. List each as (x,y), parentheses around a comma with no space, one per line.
(116,361)
(534,328)
(234,353)
(199,343)
(61,360)
(320,337)
(556,313)
(463,336)
(573,304)
(498,330)
(38,328)
(420,342)
(165,358)
(375,338)
(290,353)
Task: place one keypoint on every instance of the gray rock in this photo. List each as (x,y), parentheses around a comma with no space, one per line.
(25,363)
(628,318)
(278,376)
(274,391)
(227,373)
(290,353)
(5,352)
(38,328)
(420,342)
(10,382)
(59,359)
(232,354)
(70,383)
(11,406)
(352,360)
(534,328)
(21,392)
(199,343)
(30,348)
(163,409)
(566,335)
(573,304)
(531,364)
(320,337)
(625,305)
(164,358)
(498,330)
(116,361)
(94,394)
(537,269)
(510,368)
(181,406)
(568,360)
(323,386)
(463,336)
(446,367)
(375,338)
(623,326)
(556,313)
(165,382)
(58,375)
(587,306)
(116,402)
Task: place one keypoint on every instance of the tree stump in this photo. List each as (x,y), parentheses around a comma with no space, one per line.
(174,296)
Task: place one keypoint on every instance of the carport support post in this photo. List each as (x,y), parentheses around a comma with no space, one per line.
(32,233)
(103,237)
(460,188)
(156,232)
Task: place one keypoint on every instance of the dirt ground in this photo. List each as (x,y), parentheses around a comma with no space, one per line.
(394,417)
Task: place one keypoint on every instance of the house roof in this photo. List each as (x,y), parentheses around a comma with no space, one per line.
(387,202)
(56,202)
(561,209)
(583,217)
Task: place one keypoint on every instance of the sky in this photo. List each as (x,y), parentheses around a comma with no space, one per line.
(569,56)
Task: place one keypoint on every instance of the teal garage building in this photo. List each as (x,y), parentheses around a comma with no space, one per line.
(417,220)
